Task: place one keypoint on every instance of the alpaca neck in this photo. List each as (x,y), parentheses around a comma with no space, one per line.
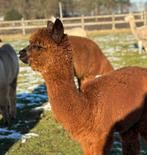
(133,28)
(66,101)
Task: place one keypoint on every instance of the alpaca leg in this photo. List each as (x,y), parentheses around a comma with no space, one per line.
(4,103)
(145,49)
(130,142)
(94,149)
(4,106)
(86,148)
(12,96)
(140,46)
(143,133)
(143,126)
(103,146)
(98,149)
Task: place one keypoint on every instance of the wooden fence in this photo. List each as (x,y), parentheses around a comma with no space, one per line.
(103,22)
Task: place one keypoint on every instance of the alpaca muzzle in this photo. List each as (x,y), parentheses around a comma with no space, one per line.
(23,55)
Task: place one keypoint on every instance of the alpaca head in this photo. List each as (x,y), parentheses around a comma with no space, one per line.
(43,50)
(129,18)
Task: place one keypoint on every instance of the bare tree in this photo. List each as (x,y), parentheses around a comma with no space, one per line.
(45,8)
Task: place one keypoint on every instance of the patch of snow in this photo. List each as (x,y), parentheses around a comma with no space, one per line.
(45,107)
(9,134)
(4,130)
(20,106)
(117,143)
(117,149)
(28,136)
(16,125)
(26,68)
(12,134)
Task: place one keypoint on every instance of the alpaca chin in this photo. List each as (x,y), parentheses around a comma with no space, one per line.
(24,60)
(33,66)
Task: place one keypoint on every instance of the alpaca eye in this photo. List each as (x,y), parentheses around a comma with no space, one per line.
(37,47)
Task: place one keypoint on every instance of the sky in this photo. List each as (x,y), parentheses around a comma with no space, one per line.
(139,1)
(139,4)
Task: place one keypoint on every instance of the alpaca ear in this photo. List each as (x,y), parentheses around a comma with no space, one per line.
(57,31)
(49,25)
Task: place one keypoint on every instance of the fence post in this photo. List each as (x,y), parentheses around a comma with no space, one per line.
(142,15)
(145,18)
(82,21)
(23,26)
(113,22)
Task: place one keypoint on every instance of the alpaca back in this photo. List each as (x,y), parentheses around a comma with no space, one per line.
(89,60)
(118,94)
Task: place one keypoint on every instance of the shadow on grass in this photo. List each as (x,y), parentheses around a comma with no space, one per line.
(27,117)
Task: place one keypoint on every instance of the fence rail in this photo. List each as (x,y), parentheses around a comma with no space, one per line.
(103,22)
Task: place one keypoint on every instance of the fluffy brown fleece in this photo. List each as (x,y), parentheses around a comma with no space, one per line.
(88,59)
(113,102)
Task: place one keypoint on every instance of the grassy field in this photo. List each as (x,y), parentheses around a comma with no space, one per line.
(35,131)
(51,140)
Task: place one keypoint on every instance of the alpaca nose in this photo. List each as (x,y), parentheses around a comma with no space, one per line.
(22,52)
(23,56)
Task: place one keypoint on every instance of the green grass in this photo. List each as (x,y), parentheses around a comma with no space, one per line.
(52,140)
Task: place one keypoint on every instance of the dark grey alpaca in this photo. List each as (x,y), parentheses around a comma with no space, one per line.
(9,68)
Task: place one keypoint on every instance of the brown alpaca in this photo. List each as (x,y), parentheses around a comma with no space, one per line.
(113,102)
(88,59)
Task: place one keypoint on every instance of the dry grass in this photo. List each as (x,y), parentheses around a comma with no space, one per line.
(13,37)
(103,32)
(8,38)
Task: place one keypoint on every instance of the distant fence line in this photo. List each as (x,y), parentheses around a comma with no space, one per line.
(103,22)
